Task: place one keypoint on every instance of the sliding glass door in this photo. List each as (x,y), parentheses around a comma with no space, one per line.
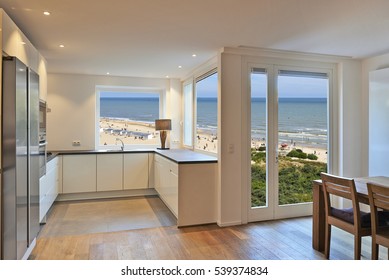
(289,139)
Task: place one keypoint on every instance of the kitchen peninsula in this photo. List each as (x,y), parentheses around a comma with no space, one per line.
(184,180)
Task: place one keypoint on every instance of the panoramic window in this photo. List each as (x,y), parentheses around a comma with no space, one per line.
(128,118)
(206,112)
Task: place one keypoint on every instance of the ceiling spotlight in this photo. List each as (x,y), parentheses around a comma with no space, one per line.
(61,46)
(46,13)
(180,66)
(167,76)
(107,73)
(194,55)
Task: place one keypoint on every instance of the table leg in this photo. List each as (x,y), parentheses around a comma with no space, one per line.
(318,217)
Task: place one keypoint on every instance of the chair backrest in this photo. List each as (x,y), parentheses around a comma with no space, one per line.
(378,198)
(341,187)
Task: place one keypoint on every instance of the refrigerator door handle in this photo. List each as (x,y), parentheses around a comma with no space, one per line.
(43,144)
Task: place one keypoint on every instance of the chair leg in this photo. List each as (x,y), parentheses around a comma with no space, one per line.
(327,241)
(357,247)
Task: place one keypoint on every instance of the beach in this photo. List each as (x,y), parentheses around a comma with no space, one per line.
(132,132)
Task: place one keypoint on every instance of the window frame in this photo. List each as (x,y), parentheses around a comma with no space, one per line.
(190,116)
(198,78)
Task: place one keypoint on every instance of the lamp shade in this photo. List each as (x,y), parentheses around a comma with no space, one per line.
(163,124)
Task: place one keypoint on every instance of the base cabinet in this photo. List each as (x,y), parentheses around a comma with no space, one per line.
(135,171)
(49,186)
(166,182)
(109,172)
(187,189)
(79,173)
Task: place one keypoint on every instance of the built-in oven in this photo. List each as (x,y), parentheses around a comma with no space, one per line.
(42,138)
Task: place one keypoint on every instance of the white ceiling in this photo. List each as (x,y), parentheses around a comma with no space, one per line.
(151,38)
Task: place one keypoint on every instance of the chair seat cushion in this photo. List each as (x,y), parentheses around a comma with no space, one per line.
(348,216)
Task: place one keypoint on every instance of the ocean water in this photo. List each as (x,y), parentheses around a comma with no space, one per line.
(301,120)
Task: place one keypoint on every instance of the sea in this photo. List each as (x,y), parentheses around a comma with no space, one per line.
(300,120)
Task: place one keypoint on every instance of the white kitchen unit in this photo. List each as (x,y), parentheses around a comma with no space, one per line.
(186,182)
(79,173)
(197,193)
(166,182)
(135,171)
(109,172)
(49,186)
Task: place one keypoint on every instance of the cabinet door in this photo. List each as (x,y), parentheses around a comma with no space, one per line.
(109,172)
(166,182)
(79,173)
(136,171)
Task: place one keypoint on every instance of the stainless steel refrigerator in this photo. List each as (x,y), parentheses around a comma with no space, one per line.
(20,158)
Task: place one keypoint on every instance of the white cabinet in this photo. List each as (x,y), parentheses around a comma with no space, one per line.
(79,173)
(166,182)
(109,172)
(136,171)
(188,188)
(49,186)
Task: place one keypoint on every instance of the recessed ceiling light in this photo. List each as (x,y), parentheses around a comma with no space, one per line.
(180,66)
(61,46)
(194,55)
(167,76)
(107,73)
(46,13)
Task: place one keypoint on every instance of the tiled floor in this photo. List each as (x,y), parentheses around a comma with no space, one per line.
(108,215)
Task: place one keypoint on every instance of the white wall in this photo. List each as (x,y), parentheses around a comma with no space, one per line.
(351,118)
(370,64)
(72,100)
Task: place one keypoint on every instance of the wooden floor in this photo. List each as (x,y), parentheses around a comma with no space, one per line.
(288,239)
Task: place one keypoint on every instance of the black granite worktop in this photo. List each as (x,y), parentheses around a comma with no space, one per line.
(180,156)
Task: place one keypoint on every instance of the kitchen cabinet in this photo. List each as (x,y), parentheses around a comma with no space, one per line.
(166,182)
(79,173)
(49,186)
(187,185)
(135,171)
(109,172)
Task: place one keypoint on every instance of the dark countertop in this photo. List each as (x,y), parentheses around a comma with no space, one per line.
(180,156)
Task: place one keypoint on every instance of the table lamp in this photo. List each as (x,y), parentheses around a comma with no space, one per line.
(163,125)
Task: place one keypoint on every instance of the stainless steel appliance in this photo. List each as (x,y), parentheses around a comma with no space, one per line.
(20,158)
(42,138)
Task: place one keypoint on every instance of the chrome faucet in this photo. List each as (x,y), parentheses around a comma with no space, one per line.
(122,147)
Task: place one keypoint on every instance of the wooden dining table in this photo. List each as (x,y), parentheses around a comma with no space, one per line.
(318,214)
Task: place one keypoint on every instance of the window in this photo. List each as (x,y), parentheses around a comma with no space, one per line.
(206,112)
(127,116)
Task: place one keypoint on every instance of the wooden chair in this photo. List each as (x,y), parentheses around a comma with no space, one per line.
(379,199)
(351,220)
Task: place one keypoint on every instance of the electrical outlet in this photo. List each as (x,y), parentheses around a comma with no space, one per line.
(76,143)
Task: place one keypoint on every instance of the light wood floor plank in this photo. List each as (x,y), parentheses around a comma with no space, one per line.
(288,239)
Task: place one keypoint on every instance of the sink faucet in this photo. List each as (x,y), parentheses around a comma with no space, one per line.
(122,147)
